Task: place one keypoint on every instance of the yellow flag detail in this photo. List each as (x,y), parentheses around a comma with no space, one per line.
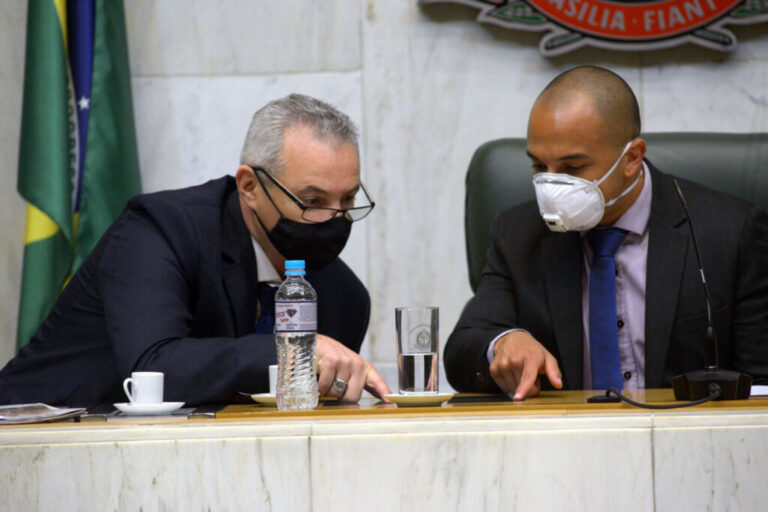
(61,10)
(39,225)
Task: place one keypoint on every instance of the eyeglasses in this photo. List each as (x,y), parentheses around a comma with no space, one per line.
(320,213)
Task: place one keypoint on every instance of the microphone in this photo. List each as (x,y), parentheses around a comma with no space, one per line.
(699,384)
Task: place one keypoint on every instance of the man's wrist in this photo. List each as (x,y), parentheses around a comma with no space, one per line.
(490,353)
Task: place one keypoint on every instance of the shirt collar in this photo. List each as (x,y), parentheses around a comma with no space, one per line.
(267,272)
(635,219)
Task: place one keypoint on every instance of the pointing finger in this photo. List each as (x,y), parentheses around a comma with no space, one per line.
(553,371)
(528,379)
(375,384)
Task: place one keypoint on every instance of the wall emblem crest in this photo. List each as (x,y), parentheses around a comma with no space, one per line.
(621,24)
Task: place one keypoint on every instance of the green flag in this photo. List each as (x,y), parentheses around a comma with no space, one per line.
(78,163)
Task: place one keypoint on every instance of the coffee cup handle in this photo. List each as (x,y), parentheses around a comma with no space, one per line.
(127,381)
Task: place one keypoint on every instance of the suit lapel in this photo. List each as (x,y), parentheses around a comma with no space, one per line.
(239,274)
(563,273)
(667,253)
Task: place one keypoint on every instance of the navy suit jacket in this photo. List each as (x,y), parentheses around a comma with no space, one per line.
(170,287)
(533,279)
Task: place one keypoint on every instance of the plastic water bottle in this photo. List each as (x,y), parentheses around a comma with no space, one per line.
(296,337)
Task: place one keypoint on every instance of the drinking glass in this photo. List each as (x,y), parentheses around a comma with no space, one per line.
(417,349)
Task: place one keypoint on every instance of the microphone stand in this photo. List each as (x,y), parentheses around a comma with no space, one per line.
(699,384)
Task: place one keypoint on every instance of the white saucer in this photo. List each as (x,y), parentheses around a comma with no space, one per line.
(265,398)
(148,409)
(419,400)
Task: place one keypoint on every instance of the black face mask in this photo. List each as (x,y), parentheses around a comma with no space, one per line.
(318,244)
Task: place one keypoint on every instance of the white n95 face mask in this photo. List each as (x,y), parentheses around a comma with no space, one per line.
(568,203)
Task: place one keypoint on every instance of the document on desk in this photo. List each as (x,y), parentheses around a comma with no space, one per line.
(181,413)
(759,391)
(35,413)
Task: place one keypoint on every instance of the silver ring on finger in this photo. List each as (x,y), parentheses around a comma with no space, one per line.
(339,386)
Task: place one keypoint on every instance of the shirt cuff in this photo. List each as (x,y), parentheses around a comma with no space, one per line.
(489,353)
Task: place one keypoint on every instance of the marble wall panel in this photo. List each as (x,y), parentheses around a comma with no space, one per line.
(158,475)
(488,471)
(717,468)
(706,96)
(752,45)
(13,19)
(199,37)
(191,129)
(752,42)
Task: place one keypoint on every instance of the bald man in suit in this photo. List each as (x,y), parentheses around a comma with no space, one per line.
(531,313)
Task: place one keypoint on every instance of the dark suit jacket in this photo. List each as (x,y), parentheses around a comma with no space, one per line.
(533,280)
(170,287)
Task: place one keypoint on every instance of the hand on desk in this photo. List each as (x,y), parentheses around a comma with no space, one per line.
(335,361)
(518,359)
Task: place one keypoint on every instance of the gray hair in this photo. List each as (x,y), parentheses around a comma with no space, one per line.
(264,140)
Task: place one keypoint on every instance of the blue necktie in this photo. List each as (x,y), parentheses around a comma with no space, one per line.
(266,322)
(603,329)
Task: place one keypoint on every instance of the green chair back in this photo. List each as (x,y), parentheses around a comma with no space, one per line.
(499,176)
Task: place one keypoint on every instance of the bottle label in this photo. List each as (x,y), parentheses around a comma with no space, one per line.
(296,316)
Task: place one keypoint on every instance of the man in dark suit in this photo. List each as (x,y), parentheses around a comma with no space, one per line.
(182,281)
(544,306)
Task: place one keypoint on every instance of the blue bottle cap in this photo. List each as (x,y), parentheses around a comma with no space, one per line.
(294,265)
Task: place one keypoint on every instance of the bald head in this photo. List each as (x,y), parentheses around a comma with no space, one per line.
(600,90)
(582,125)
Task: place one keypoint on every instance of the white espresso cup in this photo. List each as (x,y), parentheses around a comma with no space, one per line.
(146,387)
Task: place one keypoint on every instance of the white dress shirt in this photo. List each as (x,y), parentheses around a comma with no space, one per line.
(264,267)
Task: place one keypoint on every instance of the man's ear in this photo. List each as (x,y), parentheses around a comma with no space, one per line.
(635,155)
(247,182)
